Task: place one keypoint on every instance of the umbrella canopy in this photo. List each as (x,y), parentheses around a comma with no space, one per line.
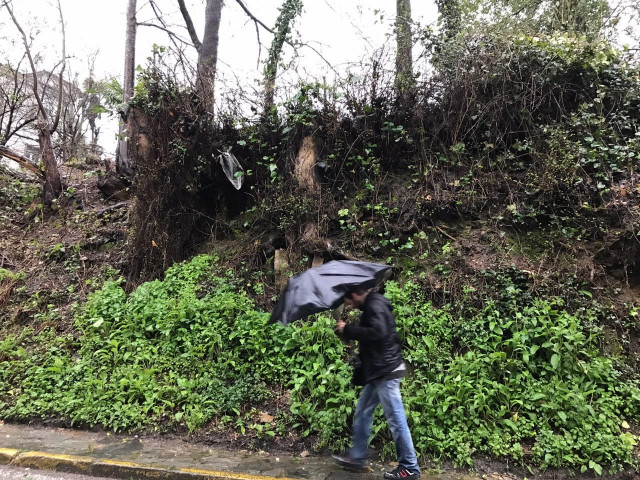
(323,288)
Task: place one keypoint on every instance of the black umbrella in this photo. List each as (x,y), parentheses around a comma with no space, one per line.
(323,288)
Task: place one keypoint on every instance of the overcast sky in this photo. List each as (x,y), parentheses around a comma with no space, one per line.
(342,30)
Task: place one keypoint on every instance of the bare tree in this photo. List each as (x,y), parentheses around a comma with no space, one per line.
(288,12)
(258,22)
(19,111)
(91,107)
(124,164)
(15,109)
(208,53)
(76,114)
(404,82)
(45,128)
(69,137)
(207,50)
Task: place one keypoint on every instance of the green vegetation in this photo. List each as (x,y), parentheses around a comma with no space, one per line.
(15,196)
(518,377)
(506,196)
(175,352)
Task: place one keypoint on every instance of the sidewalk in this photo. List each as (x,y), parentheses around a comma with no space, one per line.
(122,456)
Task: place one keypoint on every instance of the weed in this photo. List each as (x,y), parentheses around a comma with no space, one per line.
(520,376)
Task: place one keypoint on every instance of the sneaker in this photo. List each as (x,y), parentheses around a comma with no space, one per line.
(401,473)
(355,464)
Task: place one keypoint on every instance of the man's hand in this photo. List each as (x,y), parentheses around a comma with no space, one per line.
(340,326)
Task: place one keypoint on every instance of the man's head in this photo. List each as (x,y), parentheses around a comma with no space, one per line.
(356,296)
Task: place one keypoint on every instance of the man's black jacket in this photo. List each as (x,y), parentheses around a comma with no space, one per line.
(380,350)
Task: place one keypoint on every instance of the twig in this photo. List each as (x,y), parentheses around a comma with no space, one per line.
(5,262)
(56,120)
(291,44)
(444,233)
(169,32)
(158,13)
(253,17)
(111,207)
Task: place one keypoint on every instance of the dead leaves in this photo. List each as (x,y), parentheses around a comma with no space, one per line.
(265,417)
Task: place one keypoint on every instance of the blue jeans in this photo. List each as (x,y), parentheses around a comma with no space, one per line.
(387,393)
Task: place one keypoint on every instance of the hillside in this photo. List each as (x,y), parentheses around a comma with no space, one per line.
(507,200)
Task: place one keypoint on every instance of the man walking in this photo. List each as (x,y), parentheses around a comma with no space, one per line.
(381,371)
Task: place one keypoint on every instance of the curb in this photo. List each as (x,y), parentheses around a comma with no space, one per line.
(114,468)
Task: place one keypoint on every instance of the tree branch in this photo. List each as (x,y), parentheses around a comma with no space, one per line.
(61,78)
(329,64)
(258,22)
(19,127)
(31,62)
(23,161)
(190,28)
(158,14)
(252,16)
(259,45)
(30,138)
(169,32)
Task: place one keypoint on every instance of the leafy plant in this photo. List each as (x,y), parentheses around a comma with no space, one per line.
(520,376)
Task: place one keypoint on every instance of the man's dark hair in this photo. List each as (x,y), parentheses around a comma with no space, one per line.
(358,290)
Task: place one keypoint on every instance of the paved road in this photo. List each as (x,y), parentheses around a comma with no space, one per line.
(17,473)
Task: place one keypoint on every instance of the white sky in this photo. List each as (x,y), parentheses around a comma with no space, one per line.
(342,30)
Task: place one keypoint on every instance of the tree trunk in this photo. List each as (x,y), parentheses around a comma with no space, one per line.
(208,55)
(404,81)
(288,12)
(124,164)
(52,183)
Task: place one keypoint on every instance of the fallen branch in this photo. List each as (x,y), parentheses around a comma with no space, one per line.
(5,262)
(111,207)
(444,233)
(21,160)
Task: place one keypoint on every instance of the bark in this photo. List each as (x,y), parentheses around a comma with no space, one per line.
(52,183)
(124,164)
(305,167)
(404,81)
(208,55)
(61,77)
(129,52)
(190,28)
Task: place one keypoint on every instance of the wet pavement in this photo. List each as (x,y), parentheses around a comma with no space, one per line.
(175,454)
(17,473)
